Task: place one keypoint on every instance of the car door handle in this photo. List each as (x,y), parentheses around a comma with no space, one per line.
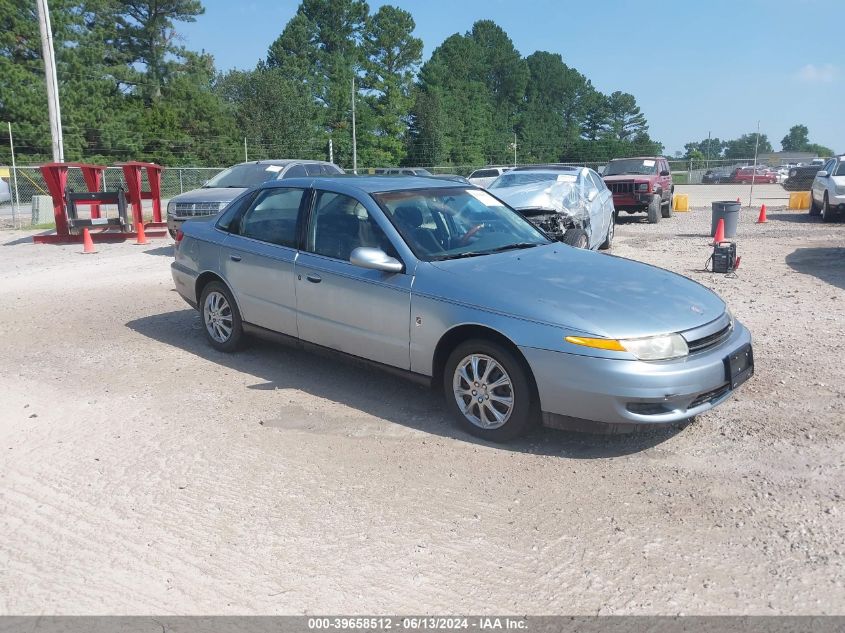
(235,258)
(314,279)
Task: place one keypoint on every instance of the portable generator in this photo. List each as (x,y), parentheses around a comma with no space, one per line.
(724,257)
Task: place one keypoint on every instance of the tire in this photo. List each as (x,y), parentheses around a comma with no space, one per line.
(814,208)
(577,238)
(611,230)
(654,210)
(517,395)
(666,211)
(225,332)
(827,212)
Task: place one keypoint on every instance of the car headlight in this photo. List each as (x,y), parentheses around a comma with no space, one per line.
(663,347)
(643,186)
(171,206)
(792,173)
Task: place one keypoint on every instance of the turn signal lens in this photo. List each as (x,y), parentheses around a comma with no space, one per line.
(597,343)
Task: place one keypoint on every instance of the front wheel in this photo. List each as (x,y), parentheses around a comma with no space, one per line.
(666,211)
(611,229)
(827,212)
(221,318)
(489,391)
(654,210)
(814,208)
(577,238)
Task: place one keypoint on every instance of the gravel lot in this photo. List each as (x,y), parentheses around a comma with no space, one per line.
(142,472)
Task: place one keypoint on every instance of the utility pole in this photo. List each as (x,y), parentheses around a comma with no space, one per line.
(53,108)
(514,149)
(16,199)
(246,156)
(754,173)
(354,139)
(707,161)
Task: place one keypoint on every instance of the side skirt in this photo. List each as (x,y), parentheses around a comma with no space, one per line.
(292,341)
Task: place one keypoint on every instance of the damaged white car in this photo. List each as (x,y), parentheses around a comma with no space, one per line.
(570,204)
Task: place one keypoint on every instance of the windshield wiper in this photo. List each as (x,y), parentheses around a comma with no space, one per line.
(440,258)
(508,247)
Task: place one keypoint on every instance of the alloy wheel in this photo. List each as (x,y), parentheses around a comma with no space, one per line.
(217,314)
(483,391)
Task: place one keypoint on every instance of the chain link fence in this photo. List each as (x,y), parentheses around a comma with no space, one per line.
(18,210)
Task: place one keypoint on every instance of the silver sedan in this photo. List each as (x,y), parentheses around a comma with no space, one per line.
(445,284)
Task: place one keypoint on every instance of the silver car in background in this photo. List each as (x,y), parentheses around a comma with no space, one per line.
(220,190)
(571,204)
(485,176)
(445,284)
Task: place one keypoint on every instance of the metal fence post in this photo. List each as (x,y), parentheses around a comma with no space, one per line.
(180,181)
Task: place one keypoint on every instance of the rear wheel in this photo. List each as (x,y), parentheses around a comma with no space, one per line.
(489,391)
(611,229)
(666,211)
(654,210)
(827,212)
(576,237)
(221,318)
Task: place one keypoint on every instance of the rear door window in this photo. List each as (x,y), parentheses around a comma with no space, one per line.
(273,217)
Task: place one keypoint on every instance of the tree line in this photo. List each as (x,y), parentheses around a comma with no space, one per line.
(744,147)
(131,91)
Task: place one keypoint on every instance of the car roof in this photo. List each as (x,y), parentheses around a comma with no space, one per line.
(638,158)
(369,184)
(284,161)
(549,167)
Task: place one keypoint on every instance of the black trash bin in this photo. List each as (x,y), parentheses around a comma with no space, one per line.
(727,210)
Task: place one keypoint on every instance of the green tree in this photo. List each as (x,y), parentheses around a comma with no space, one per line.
(708,148)
(146,29)
(797,139)
(554,107)
(275,113)
(392,55)
(744,146)
(625,120)
(321,48)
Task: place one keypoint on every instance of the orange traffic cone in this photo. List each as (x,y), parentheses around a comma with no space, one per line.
(142,238)
(762,218)
(720,232)
(87,242)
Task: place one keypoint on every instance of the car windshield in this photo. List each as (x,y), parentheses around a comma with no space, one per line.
(639,166)
(449,223)
(515,179)
(244,176)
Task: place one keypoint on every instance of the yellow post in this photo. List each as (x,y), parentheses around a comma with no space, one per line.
(681,202)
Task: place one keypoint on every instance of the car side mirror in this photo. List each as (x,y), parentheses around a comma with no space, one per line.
(375,259)
(822,174)
(592,195)
(665,172)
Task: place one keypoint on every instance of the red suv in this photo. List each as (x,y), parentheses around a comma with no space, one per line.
(640,184)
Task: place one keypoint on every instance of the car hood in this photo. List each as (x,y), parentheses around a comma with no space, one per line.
(618,177)
(560,196)
(574,288)
(212,194)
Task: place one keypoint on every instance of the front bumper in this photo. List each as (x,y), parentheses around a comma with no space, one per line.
(605,391)
(636,200)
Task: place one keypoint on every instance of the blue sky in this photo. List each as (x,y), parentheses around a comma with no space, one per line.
(693,66)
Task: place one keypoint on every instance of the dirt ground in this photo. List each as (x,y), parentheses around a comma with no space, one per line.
(143,472)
